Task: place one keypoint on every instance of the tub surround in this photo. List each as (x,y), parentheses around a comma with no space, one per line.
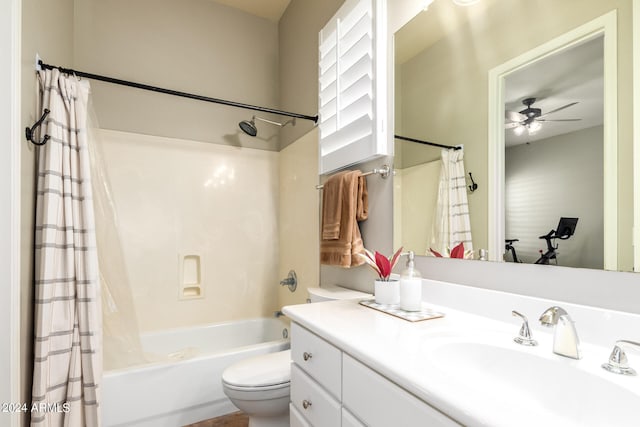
(403,353)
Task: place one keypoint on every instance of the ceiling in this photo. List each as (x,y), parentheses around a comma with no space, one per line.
(269,9)
(572,75)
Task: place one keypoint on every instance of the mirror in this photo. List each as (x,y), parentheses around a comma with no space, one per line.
(443,60)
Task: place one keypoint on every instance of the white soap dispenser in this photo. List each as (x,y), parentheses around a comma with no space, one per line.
(410,287)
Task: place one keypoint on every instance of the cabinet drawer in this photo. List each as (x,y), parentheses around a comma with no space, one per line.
(297,420)
(378,402)
(317,406)
(318,358)
(348,420)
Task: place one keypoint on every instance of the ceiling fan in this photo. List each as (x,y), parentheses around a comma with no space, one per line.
(531,119)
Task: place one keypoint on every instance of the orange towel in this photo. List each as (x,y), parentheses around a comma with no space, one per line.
(344,203)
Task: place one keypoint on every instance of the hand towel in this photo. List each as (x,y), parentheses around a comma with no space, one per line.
(344,203)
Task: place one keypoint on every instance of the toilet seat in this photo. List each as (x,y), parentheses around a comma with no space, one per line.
(270,371)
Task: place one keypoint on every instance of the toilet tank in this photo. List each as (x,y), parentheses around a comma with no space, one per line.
(333,292)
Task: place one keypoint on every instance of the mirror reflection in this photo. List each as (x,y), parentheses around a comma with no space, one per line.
(430,200)
(553,159)
(553,165)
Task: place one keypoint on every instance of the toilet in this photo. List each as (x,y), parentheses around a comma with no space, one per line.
(259,386)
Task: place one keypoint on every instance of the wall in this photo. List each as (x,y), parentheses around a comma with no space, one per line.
(554,177)
(175,196)
(298,224)
(298,45)
(205,48)
(47,29)
(10,310)
(415,196)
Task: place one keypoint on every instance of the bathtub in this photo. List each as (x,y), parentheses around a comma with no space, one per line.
(186,387)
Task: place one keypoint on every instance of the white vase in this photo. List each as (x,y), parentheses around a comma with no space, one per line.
(387,293)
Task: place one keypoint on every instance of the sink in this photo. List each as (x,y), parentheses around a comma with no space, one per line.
(538,388)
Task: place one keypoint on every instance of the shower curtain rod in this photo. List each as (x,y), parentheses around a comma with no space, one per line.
(177,93)
(404,138)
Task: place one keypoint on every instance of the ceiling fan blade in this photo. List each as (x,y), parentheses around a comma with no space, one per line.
(558,109)
(559,120)
(514,116)
(511,125)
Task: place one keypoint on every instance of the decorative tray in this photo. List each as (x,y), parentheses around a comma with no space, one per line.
(395,310)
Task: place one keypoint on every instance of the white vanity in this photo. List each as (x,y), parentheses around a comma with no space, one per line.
(354,366)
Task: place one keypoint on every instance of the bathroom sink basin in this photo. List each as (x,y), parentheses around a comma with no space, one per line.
(536,387)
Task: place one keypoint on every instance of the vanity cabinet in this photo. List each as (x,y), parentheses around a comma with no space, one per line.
(353,86)
(329,388)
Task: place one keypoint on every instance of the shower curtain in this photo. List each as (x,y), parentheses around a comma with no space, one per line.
(67,324)
(451,225)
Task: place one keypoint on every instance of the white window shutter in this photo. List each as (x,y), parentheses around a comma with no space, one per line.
(352,60)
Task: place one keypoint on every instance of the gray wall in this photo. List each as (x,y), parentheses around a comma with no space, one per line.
(198,46)
(298,38)
(551,178)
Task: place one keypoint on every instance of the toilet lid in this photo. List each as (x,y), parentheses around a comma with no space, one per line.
(260,371)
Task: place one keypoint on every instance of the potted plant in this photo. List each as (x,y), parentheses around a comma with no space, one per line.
(386,291)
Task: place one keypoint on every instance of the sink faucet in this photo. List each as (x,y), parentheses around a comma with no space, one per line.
(618,362)
(565,338)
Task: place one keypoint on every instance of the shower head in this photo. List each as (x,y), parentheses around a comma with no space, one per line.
(249,126)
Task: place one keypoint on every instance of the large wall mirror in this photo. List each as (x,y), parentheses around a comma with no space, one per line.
(539,94)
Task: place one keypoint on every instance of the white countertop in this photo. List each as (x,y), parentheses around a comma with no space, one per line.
(400,351)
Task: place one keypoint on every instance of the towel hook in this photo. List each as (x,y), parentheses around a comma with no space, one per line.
(30,131)
(473,187)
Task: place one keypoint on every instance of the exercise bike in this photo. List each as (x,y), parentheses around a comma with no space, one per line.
(566,228)
(509,248)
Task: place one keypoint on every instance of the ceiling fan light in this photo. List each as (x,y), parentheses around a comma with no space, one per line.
(518,130)
(465,2)
(534,127)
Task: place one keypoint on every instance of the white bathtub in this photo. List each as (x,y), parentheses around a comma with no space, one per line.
(188,388)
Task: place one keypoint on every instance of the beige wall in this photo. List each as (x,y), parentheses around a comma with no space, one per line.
(415,195)
(298,43)
(452,75)
(205,48)
(176,197)
(298,221)
(47,29)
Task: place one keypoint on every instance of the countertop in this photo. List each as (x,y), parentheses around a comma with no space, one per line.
(402,352)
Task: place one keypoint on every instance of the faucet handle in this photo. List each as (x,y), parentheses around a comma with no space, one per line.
(524,337)
(618,362)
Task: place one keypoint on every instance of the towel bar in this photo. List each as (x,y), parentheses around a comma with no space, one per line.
(383,171)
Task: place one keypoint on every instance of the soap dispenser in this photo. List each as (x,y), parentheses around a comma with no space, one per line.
(410,286)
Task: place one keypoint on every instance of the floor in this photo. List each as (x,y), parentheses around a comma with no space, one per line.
(237,419)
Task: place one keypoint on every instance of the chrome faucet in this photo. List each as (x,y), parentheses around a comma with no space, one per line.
(618,362)
(565,337)
(524,337)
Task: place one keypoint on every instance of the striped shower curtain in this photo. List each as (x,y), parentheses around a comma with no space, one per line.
(67,325)
(451,224)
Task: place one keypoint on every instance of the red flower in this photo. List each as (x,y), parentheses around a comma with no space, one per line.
(457,252)
(380,263)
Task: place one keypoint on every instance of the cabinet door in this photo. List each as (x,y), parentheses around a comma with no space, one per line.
(378,402)
(352,85)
